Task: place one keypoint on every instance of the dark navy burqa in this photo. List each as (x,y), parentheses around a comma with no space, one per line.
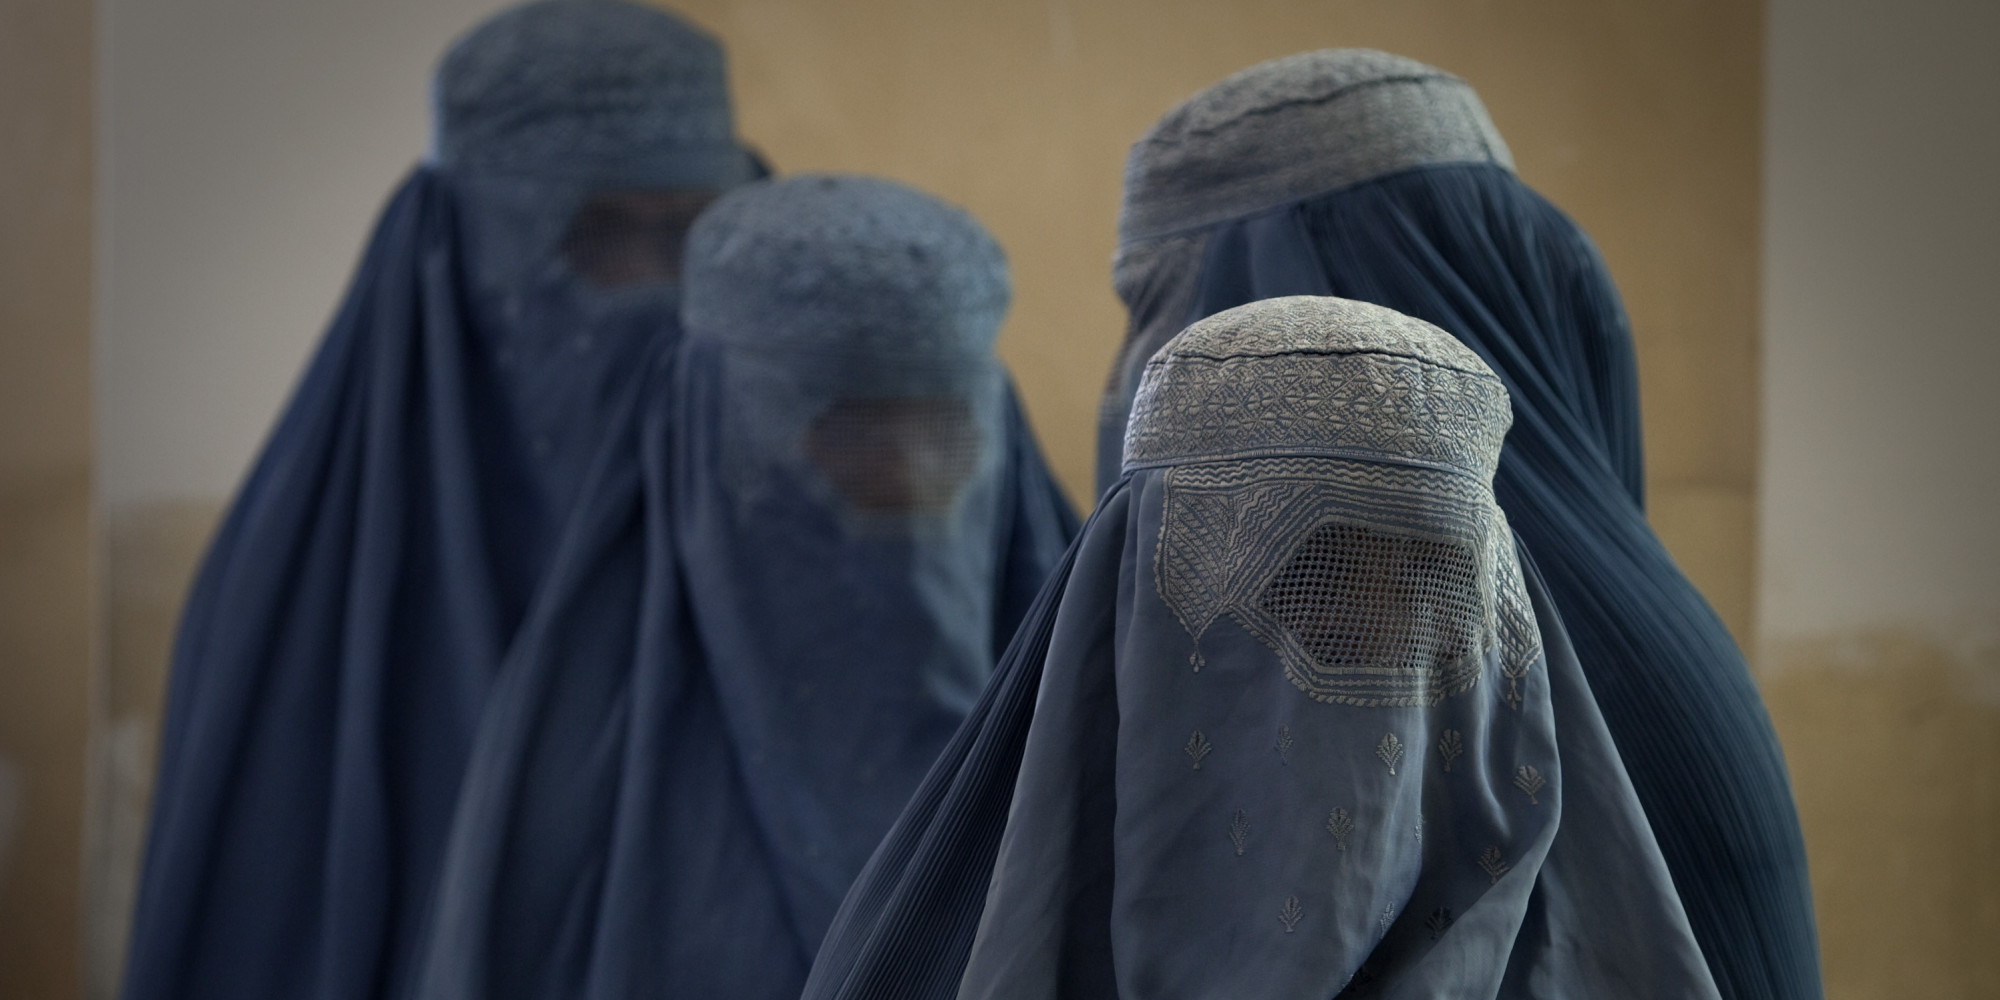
(836,519)
(1365,175)
(1294,719)
(407,514)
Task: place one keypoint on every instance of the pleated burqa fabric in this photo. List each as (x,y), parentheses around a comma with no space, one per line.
(835,516)
(1365,175)
(1294,719)
(409,512)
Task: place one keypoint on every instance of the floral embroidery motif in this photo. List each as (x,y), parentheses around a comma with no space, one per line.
(1390,749)
(1197,748)
(1493,865)
(1438,921)
(1388,916)
(1284,744)
(1340,824)
(1515,672)
(1450,746)
(1239,830)
(1291,912)
(1529,780)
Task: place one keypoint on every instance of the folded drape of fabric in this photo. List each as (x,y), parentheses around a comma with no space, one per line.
(788,596)
(1366,175)
(1293,719)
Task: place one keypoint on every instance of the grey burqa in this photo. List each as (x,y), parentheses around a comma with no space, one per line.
(1374,177)
(1294,719)
(834,518)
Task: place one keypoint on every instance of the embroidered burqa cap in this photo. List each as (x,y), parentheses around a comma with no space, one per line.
(1296,126)
(446,501)
(602,89)
(1370,177)
(827,263)
(1290,719)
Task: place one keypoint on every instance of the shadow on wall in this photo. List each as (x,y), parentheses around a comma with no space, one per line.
(1894,746)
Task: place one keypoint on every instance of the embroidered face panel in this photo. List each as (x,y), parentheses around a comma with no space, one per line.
(1329,487)
(1376,584)
(1354,596)
(907,455)
(624,238)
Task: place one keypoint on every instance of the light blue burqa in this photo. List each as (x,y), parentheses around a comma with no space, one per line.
(1294,719)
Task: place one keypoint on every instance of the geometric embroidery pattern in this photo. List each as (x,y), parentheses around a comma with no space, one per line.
(1376,584)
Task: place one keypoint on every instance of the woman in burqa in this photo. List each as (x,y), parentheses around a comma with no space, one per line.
(1366,175)
(1294,718)
(839,518)
(338,645)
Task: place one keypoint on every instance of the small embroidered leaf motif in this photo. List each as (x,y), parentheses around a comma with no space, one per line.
(1284,746)
(1436,923)
(1195,659)
(1491,863)
(1388,916)
(1529,780)
(1198,747)
(1340,824)
(1390,750)
(1450,746)
(1239,830)
(1419,832)
(1290,914)
(1515,674)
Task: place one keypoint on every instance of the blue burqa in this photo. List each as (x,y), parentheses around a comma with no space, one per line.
(835,518)
(1365,175)
(408,514)
(1293,719)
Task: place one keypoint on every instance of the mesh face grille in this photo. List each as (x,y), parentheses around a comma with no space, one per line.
(619,239)
(1357,598)
(900,455)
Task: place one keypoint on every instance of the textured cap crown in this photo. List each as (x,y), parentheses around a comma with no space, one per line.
(844,263)
(1298,126)
(1311,375)
(600,89)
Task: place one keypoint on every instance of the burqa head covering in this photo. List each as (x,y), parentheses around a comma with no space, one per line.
(372,576)
(838,515)
(1368,176)
(1290,721)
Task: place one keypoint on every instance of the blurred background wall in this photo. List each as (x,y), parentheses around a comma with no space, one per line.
(46,595)
(243,148)
(1880,592)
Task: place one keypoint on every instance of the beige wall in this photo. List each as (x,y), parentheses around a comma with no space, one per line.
(240,180)
(1880,596)
(45,596)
